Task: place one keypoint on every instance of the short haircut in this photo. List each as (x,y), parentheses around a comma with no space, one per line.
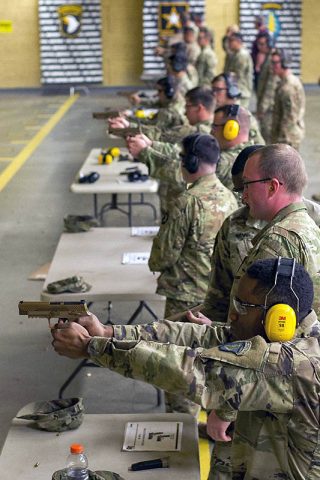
(178,61)
(283,162)
(203,146)
(203,96)
(237,35)
(242,158)
(264,272)
(267,36)
(188,29)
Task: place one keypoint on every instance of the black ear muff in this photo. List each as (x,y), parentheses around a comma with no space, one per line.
(231,128)
(191,161)
(90,178)
(280,322)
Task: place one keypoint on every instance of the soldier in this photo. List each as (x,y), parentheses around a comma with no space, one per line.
(269,388)
(162,157)
(289,103)
(178,65)
(171,112)
(266,87)
(207,60)
(226,92)
(182,249)
(193,52)
(240,63)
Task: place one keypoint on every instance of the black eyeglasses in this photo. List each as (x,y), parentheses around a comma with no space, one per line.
(275,62)
(215,125)
(248,182)
(241,307)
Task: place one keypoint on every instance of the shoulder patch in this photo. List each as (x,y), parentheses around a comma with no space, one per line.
(237,348)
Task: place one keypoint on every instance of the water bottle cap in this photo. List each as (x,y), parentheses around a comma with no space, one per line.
(76,448)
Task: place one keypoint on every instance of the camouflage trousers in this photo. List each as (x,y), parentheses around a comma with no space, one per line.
(178,403)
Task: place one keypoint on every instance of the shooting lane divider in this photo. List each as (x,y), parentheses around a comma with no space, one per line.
(204,450)
(18,161)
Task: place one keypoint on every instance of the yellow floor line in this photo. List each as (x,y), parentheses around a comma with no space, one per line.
(204,451)
(27,151)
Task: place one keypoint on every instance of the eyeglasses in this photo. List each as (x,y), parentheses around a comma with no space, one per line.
(248,182)
(275,62)
(241,307)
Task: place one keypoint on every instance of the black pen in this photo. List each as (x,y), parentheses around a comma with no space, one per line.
(149,464)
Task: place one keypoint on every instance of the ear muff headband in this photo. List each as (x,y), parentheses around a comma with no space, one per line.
(231,128)
(191,161)
(280,321)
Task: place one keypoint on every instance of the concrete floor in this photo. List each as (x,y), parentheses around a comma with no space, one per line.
(32,207)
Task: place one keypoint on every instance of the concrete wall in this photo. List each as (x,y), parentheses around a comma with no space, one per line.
(122,40)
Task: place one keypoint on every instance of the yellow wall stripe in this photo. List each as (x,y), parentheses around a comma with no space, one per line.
(204,451)
(27,151)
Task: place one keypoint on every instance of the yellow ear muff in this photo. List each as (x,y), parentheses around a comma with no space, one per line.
(280,323)
(231,129)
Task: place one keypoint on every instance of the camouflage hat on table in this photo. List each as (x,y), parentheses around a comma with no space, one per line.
(79,223)
(98,475)
(75,284)
(55,415)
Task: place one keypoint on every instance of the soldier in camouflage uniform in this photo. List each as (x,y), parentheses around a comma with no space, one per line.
(178,69)
(226,92)
(289,103)
(182,249)
(162,157)
(266,87)
(171,113)
(207,60)
(270,390)
(240,63)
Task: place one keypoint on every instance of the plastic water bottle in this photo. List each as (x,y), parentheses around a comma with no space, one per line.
(77,463)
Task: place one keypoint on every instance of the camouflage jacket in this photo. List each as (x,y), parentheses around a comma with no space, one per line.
(227,158)
(193,52)
(291,233)
(206,65)
(254,132)
(266,88)
(182,249)
(241,64)
(183,84)
(288,112)
(271,390)
(233,243)
(167,119)
(193,75)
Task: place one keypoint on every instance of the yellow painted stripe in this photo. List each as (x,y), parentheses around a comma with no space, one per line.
(204,451)
(27,151)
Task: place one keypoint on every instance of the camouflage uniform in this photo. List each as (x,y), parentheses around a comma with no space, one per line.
(232,245)
(291,233)
(254,132)
(227,158)
(266,88)
(163,161)
(193,52)
(288,112)
(182,249)
(270,390)
(240,63)
(193,75)
(167,118)
(183,84)
(206,65)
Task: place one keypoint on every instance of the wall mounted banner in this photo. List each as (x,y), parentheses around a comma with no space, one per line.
(70,42)
(283,19)
(159,20)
